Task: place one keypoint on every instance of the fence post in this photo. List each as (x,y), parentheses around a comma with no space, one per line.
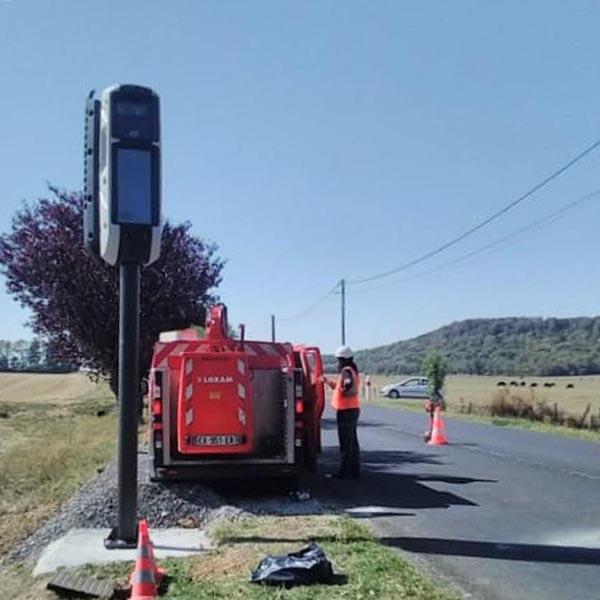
(584,416)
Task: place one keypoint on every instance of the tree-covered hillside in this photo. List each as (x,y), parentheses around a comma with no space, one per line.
(514,345)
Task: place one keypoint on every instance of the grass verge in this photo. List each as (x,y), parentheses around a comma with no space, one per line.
(373,570)
(417,406)
(49,449)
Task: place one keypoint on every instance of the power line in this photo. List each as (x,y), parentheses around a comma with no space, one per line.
(545,220)
(483,223)
(311,307)
(534,224)
(258,328)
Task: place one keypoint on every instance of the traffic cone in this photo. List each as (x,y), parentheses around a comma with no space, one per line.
(438,431)
(143,579)
(159,574)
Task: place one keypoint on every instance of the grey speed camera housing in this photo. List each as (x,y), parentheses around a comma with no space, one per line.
(122,214)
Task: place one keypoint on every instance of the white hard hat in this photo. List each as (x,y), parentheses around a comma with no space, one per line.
(344,352)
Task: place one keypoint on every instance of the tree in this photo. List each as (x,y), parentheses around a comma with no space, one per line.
(434,369)
(73,297)
(20,350)
(34,355)
(55,362)
(5,352)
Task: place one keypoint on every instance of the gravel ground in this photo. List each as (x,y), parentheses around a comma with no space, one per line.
(283,506)
(162,504)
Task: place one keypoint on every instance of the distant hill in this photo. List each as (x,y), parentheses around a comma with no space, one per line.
(513,345)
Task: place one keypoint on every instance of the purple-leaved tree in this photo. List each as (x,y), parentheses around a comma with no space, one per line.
(74,298)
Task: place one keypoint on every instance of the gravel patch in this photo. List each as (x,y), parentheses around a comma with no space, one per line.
(282,506)
(181,504)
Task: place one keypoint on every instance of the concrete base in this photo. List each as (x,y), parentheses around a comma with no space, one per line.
(86,546)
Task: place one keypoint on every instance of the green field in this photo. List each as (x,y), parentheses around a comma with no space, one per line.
(480,390)
(469,397)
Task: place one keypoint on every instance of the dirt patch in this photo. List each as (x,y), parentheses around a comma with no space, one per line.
(226,563)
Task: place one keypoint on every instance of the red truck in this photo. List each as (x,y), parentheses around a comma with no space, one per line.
(225,408)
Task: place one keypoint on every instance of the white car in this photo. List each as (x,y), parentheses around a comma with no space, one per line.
(414,387)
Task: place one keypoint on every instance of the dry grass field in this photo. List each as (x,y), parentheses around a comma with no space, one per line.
(480,390)
(51,440)
(46,387)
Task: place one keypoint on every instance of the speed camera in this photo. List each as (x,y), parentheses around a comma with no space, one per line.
(122,221)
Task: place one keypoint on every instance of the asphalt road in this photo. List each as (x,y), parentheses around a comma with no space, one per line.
(503,513)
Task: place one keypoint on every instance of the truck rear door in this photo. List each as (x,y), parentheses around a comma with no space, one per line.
(215,410)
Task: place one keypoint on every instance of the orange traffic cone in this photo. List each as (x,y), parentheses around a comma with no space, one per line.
(159,574)
(143,579)
(438,431)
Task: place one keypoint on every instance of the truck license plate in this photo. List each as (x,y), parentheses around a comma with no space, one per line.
(216,440)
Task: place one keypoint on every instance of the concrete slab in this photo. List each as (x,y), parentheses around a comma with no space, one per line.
(86,546)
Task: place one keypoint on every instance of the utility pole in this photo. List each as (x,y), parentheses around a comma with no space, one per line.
(272,328)
(343,292)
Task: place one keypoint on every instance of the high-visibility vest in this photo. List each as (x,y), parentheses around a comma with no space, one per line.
(341,400)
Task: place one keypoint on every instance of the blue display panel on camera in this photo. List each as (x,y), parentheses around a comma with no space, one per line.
(134,174)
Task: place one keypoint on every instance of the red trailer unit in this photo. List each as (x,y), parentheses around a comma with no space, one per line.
(222,407)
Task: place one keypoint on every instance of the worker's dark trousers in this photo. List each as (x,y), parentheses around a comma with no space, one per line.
(347,421)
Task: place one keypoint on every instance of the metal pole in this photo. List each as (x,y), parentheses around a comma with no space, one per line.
(129,329)
(272,328)
(343,284)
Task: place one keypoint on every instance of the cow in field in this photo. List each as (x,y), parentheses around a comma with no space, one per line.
(501,383)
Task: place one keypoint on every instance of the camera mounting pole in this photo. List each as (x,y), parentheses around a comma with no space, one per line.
(122,226)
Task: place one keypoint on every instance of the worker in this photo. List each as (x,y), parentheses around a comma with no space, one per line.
(345,400)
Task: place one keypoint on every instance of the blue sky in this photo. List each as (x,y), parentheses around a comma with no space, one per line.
(320,140)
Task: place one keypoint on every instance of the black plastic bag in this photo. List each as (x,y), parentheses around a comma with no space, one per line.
(305,567)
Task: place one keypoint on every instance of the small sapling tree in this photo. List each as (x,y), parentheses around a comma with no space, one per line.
(435,369)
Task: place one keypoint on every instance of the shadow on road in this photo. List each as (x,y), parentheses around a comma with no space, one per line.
(384,490)
(378,460)
(453,479)
(496,550)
